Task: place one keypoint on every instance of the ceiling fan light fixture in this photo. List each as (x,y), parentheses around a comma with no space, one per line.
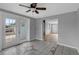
(33,7)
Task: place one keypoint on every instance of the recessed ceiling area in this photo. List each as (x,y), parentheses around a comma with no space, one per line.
(51,8)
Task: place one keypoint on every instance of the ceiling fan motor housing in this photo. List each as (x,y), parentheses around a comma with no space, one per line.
(33,5)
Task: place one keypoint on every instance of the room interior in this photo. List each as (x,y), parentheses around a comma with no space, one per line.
(39,28)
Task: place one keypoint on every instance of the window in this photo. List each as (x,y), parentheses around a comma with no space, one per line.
(54,28)
(10,31)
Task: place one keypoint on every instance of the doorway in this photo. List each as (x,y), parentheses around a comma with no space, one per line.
(50,30)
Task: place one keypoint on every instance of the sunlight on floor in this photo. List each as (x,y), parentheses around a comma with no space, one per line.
(10,40)
(53,37)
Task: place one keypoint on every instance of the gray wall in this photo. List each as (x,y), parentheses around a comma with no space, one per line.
(68,28)
(32,29)
(0,32)
(77,32)
(39,29)
(35,29)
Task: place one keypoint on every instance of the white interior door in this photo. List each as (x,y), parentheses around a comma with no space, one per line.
(23,30)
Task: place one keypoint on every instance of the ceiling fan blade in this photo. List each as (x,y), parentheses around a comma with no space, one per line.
(41,8)
(36,11)
(28,10)
(24,6)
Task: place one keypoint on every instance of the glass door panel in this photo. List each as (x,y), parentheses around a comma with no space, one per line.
(10,32)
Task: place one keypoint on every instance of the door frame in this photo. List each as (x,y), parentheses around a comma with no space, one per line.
(44,31)
(4,16)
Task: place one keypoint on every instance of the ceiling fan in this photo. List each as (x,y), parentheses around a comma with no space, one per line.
(33,7)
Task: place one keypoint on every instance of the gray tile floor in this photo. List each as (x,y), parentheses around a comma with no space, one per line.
(63,50)
(38,47)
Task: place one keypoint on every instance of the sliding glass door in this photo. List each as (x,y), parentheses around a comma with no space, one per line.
(10,32)
(15,29)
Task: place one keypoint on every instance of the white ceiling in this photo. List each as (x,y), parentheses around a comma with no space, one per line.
(50,21)
(52,9)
